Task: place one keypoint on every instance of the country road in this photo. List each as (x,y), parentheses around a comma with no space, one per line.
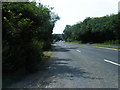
(76,66)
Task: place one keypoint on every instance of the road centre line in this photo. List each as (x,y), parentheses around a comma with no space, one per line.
(78,50)
(111,62)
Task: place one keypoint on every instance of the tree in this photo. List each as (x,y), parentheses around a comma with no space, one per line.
(95,30)
(27,31)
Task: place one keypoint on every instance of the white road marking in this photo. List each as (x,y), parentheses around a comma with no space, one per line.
(111,62)
(78,50)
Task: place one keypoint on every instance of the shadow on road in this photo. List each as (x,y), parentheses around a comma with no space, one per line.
(60,49)
(63,49)
(57,69)
(60,68)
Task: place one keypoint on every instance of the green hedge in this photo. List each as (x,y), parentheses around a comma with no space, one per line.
(27,31)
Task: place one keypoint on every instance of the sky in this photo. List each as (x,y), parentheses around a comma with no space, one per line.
(73,11)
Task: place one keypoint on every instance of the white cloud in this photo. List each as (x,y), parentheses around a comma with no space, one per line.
(72,11)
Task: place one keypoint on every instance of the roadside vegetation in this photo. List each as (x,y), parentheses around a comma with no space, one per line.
(57,37)
(100,30)
(27,33)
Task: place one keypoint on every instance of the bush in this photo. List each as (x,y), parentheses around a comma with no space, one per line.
(27,31)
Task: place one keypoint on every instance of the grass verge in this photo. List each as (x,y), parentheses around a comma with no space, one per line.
(107,45)
(43,63)
(102,46)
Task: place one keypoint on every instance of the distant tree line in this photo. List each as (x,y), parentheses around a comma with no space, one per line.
(57,37)
(95,30)
(27,32)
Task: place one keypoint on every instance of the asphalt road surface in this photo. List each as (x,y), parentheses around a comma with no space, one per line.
(76,66)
